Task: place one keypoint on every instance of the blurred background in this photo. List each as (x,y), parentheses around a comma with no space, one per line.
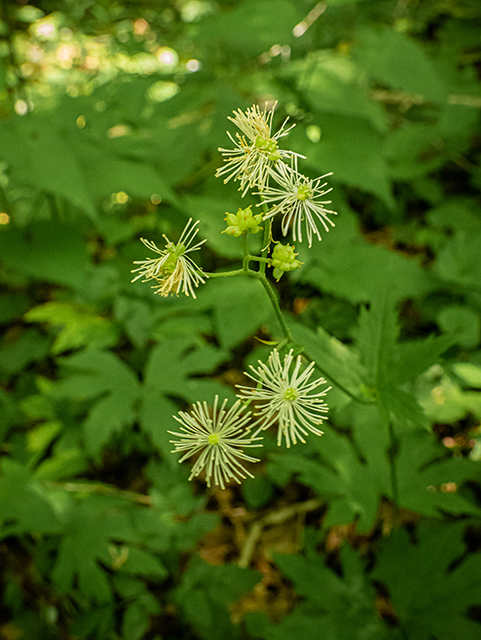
(111,116)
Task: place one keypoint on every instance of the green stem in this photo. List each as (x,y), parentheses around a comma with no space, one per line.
(272,297)
(245,261)
(226,274)
(258,258)
(336,383)
(266,240)
(265,283)
(244,244)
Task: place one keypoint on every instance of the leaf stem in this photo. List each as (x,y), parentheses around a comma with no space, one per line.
(267,238)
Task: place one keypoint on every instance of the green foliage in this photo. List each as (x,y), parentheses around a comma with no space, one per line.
(25,505)
(352,489)
(80,327)
(332,605)
(46,252)
(205,592)
(428,482)
(395,60)
(112,386)
(431,596)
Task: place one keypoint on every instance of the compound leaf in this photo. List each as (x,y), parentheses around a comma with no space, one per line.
(431,601)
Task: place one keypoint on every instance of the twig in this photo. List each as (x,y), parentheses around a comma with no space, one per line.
(79,487)
(409,99)
(274,517)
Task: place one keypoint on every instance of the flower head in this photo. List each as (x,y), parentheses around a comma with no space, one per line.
(287,398)
(219,438)
(174,271)
(242,222)
(255,150)
(283,259)
(298,201)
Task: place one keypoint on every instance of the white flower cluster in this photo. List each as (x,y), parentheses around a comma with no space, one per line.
(282,395)
(256,159)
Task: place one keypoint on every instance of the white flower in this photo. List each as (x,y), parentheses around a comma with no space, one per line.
(174,271)
(298,201)
(256,150)
(287,398)
(219,438)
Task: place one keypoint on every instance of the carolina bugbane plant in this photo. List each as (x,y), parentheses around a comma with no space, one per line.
(285,395)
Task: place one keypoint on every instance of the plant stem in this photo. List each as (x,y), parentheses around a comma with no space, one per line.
(265,283)
(272,297)
(261,274)
(258,258)
(266,240)
(226,274)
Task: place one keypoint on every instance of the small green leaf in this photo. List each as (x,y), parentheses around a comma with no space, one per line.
(143,563)
(469,373)
(135,622)
(100,373)
(30,346)
(352,489)
(90,527)
(240,308)
(80,326)
(413,358)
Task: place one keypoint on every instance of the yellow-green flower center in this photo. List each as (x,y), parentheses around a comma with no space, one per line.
(304,192)
(268,146)
(175,252)
(291,394)
(169,265)
(213,439)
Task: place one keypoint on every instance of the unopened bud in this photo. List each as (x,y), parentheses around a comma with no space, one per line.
(283,259)
(242,222)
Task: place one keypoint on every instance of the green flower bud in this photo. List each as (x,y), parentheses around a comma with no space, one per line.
(242,222)
(283,259)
